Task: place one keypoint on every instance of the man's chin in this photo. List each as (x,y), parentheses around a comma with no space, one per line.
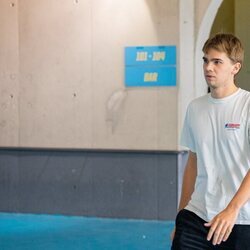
(211,85)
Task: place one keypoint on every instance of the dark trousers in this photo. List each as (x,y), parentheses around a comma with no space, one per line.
(191,234)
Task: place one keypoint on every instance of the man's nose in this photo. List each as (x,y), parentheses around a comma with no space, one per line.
(208,66)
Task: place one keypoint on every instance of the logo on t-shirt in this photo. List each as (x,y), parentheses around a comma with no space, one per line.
(232,126)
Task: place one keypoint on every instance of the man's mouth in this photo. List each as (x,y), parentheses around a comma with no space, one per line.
(210,77)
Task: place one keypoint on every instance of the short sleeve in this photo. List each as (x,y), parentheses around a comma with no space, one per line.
(248,132)
(187,138)
(248,125)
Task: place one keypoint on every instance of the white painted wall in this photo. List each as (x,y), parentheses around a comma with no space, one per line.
(186,66)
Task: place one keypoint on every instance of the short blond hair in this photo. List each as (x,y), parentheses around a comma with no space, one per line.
(228,44)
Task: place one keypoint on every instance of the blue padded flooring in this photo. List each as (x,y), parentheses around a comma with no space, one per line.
(49,232)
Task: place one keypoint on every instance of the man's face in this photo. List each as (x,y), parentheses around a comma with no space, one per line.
(219,70)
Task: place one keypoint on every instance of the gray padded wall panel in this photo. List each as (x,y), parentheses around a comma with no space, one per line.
(140,185)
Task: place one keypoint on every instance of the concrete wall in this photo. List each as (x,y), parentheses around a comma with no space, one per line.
(62,68)
(61,76)
(9,73)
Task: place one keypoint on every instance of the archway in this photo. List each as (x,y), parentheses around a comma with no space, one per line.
(203,34)
(233,17)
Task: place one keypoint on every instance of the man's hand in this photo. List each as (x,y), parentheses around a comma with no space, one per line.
(221,225)
(172,234)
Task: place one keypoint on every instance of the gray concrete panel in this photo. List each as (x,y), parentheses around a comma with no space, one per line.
(111,184)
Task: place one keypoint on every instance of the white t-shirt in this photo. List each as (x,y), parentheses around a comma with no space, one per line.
(217,130)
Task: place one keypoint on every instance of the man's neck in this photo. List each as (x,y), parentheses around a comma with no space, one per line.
(223,92)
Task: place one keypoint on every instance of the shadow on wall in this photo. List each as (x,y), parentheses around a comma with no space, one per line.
(114,107)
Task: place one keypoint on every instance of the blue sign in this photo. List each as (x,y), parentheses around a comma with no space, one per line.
(150,66)
(150,76)
(150,55)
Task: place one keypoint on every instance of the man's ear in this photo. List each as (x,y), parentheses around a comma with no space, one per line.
(236,68)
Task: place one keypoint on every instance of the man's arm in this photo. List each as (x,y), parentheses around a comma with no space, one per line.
(188,182)
(222,224)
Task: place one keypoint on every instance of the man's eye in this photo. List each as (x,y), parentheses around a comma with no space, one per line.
(217,62)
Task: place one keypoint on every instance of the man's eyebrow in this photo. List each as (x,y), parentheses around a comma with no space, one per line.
(213,59)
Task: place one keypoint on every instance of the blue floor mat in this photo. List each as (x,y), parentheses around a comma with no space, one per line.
(48,232)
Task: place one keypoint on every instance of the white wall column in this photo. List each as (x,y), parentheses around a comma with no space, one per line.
(186,55)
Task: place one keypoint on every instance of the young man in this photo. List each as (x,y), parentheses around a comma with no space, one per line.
(214,210)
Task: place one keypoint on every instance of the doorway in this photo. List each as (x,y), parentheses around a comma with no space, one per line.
(233,17)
